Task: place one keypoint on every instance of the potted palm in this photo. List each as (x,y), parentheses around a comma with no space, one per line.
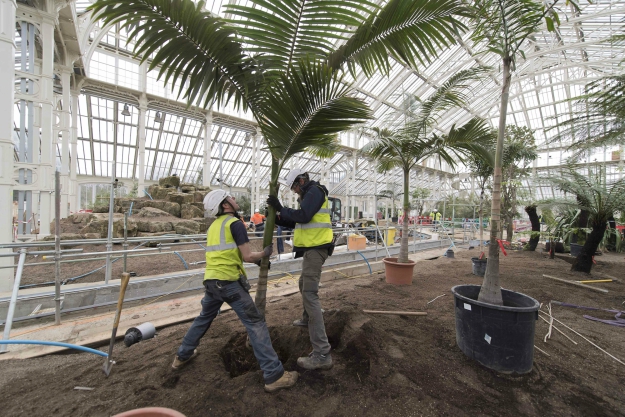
(494,326)
(406,146)
(595,196)
(283,61)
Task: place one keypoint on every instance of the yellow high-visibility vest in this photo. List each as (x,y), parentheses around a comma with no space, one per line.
(317,232)
(223,257)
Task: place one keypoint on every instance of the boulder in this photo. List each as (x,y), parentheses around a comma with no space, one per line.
(188,189)
(91,236)
(187,227)
(64,236)
(125,204)
(198,196)
(101,209)
(169,207)
(131,228)
(152,189)
(200,206)
(152,212)
(204,223)
(189,211)
(162,193)
(99,227)
(202,188)
(180,198)
(168,182)
(154,227)
(85,218)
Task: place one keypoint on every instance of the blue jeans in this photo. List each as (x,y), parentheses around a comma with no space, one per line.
(231,292)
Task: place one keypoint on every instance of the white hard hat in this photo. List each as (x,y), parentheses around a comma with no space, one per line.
(291,177)
(213,200)
(256,211)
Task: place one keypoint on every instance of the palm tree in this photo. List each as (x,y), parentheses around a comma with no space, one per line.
(406,146)
(598,198)
(283,61)
(502,26)
(598,118)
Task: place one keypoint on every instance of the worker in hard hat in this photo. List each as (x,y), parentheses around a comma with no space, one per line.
(312,240)
(225,280)
(259,222)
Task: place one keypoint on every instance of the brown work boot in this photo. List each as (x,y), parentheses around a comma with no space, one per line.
(178,363)
(286,381)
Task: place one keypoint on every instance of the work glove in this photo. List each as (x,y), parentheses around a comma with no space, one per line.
(268,250)
(273,201)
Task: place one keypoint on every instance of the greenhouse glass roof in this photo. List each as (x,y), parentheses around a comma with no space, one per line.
(556,67)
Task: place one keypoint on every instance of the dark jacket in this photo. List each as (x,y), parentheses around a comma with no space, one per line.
(313,197)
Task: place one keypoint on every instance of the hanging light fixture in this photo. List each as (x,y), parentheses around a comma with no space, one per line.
(247,137)
(126,111)
(158,118)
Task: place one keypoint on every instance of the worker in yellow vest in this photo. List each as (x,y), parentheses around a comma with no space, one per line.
(312,240)
(225,280)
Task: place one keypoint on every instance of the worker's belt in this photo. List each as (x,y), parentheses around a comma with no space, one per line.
(219,283)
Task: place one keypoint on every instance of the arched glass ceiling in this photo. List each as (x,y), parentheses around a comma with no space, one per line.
(556,68)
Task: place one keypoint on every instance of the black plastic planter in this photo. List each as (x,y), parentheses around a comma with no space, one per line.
(479,266)
(576,249)
(499,337)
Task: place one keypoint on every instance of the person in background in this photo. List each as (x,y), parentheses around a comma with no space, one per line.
(225,280)
(314,241)
(259,222)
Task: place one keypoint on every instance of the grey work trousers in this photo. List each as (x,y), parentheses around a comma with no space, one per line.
(309,288)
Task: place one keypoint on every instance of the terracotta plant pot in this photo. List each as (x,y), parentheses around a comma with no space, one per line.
(398,273)
(151,412)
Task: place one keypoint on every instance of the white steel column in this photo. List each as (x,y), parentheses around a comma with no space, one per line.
(206,166)
(64,130)
(255,196)
(73,169)
(143,108)
(353,186)
(7,77)
(46,171)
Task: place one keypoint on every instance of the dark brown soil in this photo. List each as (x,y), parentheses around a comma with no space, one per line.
(384,365)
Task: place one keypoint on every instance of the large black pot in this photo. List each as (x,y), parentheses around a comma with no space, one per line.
(499,337)
(576,249)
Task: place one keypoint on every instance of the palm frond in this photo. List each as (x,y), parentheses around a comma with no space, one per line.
(283,32)
(410,31)
(308,108)
(198,51)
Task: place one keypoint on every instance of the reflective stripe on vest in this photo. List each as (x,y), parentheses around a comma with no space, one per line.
(317,232)
(223,258)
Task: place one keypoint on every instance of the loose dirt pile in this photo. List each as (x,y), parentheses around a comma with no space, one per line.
(384,365)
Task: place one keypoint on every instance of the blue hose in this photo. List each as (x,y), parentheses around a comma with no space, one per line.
(363,257)
(148,194)
(46,343)
(183,261)
(132,203)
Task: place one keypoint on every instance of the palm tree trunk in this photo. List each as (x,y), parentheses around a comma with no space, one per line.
(535,236)
(509,228)
(491,291)
(403,249)
(261,288)
(480,215)
(583,262)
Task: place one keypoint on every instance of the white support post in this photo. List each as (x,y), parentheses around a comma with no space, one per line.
(254,180)
(206,165)
(47,96)
(7,77)
(143,108)
(73,170)
(65,132)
